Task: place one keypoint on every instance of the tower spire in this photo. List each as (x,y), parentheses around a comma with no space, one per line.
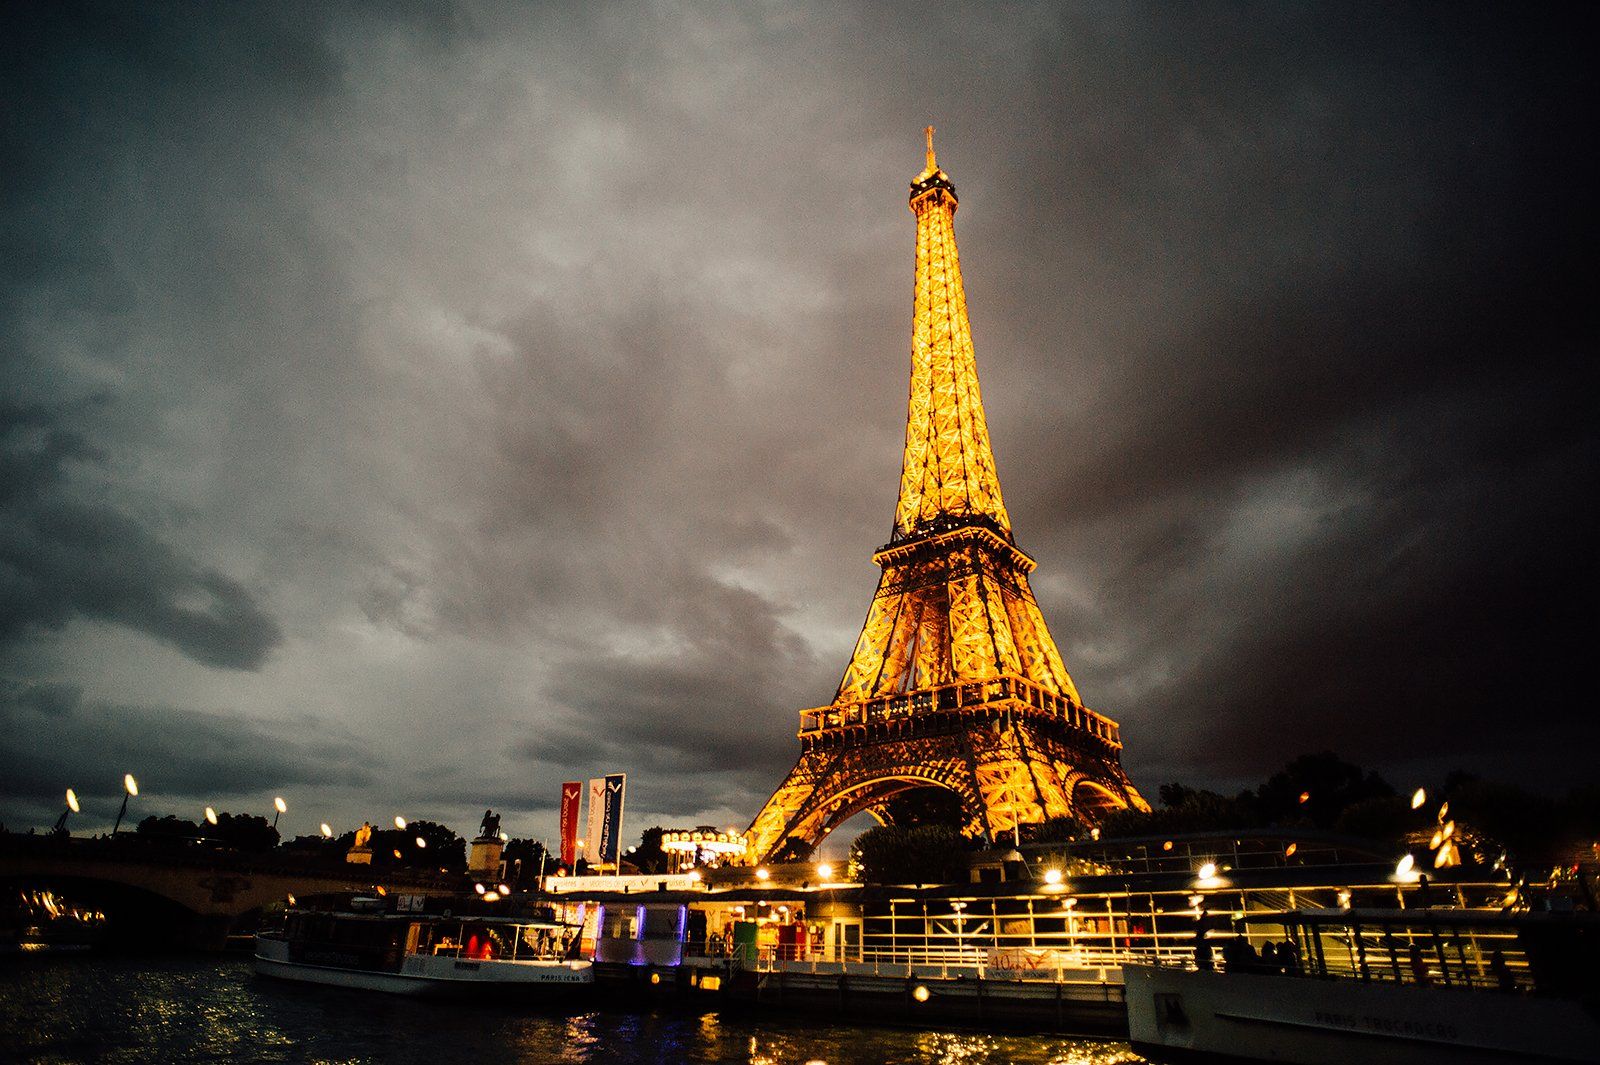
(948,471)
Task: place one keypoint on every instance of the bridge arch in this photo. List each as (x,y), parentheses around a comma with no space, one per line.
(136,915)
(197,897)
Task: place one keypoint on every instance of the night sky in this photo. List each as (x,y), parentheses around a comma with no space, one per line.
(406,409)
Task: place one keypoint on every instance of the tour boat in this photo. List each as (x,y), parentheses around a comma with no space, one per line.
(425,954)
(1413,986)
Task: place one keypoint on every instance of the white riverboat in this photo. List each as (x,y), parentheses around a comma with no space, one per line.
(427,954)
(1419,987)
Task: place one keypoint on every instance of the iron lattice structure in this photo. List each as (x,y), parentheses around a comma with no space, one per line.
(955,683)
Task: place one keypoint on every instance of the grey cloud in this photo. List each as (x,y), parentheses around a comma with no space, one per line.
(61,559)
(53,738)
(45,699)
(712,694)
(563,350)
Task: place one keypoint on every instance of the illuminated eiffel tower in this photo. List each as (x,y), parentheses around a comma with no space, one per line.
(956,703)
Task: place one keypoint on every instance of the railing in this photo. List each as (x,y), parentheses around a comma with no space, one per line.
(1261,850)
(518,952)
(502,943)
(1451,957)
(959,696)
(1085,967)
(1478,959)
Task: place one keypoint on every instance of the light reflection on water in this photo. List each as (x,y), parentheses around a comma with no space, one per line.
(119,1010)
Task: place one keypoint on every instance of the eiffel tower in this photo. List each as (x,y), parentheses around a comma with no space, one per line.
(956,704)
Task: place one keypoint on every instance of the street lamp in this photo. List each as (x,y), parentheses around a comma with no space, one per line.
(72,808)
(282,808)
(130,788)
(211,816)
(400,823)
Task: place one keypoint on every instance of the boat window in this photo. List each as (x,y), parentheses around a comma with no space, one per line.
(661,922)
(618,925)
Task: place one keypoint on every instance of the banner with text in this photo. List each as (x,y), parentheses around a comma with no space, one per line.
(610,849)
(591,830)
(571,803)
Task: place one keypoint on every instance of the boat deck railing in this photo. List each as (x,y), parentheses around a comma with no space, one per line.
(517,953)
(1384,965)
(1043,966)
(1418,947)
(510,942)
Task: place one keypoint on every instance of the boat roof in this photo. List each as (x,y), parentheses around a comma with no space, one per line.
(1365,876)
(474,918)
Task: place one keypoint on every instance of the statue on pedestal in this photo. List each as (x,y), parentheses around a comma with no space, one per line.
(484,856)
(360,852)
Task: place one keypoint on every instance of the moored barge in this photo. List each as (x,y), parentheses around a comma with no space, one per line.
(370,947)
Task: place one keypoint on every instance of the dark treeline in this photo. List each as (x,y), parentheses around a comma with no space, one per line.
(245,832)
(440,849)
(1323,791)
(1491,820)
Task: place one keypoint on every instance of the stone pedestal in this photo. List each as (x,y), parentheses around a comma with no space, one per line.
(359,856)
(484,858)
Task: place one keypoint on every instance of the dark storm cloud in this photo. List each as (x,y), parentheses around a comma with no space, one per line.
(52,737)
(61,559)
(1345,505)
(520,389)
(715,681)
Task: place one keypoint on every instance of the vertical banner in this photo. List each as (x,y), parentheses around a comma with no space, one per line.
(610,850)
(591,831)
(571,802)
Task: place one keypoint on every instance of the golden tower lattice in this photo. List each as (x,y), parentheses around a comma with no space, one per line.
(955,688)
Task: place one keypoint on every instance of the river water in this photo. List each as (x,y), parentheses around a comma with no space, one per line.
(188,1009)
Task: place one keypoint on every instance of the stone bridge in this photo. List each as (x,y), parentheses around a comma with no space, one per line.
(187,896)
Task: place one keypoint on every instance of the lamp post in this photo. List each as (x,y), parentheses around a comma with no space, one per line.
(130,788)
(282,807)
(72,808)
